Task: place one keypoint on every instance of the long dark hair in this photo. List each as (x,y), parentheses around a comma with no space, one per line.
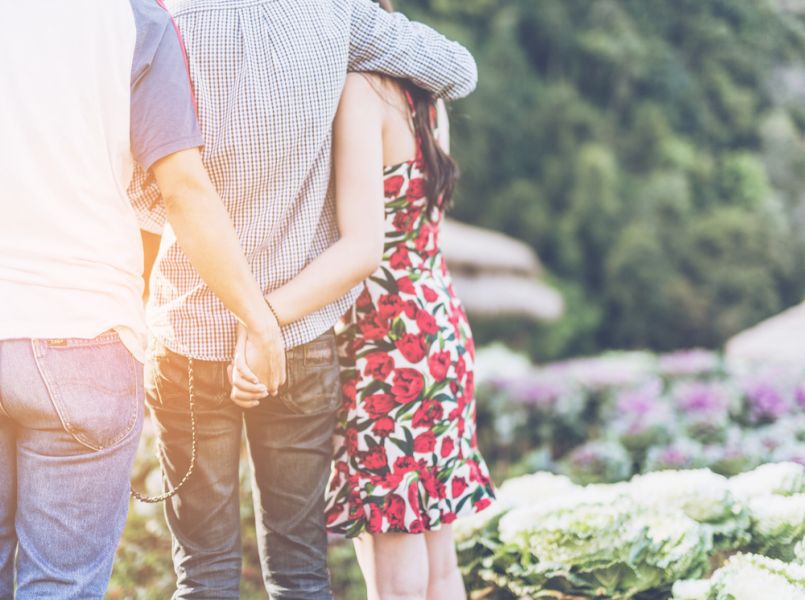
(441,170)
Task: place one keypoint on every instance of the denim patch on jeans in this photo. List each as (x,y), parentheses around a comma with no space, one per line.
(70,419)
(290,448)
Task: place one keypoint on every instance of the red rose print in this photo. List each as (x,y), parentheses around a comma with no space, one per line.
(429,294)
(392,186)
(373,327)
(402,221)
(475,472)
(458,486)
(405,285)
(375,524)
(469,385)
(471,346)
(411,309)
(461,368)
(448,518)
(482,504)
(423,240)
(416,526)
(364,301)
(412,347)
(375,458)
(350,390)
(405,464)
(413,498)
(334,513)
(392,480)
(427,323)
(447,447)
(427,414)
(408,383)
(378,405)
(425,442)
(389,306)
(383,427)
(351,440)
(439,365)
(432,485)
(378,365)
(395,511)
(416,189)
(400,259)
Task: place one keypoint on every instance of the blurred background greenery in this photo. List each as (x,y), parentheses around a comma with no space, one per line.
(651,152)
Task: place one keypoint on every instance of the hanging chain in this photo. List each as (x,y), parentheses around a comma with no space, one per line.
(193,449)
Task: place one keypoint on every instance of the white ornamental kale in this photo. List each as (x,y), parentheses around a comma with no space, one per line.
(702,495)
(781,479)
(778,522)
(753,577)
(691,589)
(528,490)
(601,543)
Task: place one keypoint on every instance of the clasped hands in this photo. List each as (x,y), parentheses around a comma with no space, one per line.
(258,367)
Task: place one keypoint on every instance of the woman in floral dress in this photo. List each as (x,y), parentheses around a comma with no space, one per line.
(406,462)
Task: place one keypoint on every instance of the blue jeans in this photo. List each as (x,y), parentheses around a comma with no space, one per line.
(70,419)
(290,447)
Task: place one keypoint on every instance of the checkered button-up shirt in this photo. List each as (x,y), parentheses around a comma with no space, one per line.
(268,76)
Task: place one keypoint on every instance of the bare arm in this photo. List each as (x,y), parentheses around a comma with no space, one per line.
(391,44)
(358,164)
(150,250)
(206,235)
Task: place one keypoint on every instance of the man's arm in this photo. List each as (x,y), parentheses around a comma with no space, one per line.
(205,233)
(389,43)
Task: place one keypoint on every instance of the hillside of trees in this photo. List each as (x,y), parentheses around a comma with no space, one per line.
(651,151)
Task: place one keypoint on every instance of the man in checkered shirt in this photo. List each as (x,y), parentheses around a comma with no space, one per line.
(268,76)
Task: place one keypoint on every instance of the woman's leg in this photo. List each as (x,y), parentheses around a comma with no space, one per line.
(444,581)
(395,565)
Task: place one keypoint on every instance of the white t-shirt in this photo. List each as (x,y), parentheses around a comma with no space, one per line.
(87,87)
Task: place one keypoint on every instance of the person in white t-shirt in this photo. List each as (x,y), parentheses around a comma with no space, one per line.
(89,89)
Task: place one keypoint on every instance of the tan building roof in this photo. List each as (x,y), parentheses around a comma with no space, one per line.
(496,275)
(778,339)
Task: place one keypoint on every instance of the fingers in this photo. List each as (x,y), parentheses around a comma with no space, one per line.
(245,372)
(244,393)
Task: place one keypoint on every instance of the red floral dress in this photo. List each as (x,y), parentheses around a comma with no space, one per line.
(406,458)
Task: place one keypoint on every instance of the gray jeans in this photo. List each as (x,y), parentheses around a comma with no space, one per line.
(290,447)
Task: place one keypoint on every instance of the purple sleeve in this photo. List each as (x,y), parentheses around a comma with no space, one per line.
(163,111)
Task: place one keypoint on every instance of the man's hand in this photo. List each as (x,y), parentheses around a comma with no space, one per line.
(258,369)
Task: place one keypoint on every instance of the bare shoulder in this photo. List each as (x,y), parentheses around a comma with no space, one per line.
(372,89)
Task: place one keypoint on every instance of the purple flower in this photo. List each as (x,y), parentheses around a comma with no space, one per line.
(538,391)
(765,402)
(681,454)
(799,395)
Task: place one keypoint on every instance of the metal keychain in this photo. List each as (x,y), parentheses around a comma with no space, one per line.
(193,449)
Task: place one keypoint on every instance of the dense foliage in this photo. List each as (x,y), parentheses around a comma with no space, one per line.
(650,151)
(650,538)
(603,419)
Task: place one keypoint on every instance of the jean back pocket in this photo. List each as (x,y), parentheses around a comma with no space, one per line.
(96,387)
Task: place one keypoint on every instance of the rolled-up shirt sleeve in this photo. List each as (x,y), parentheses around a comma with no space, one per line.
(393,45)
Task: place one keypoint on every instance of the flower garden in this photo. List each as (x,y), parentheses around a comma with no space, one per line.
(629,475)
(670,476)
